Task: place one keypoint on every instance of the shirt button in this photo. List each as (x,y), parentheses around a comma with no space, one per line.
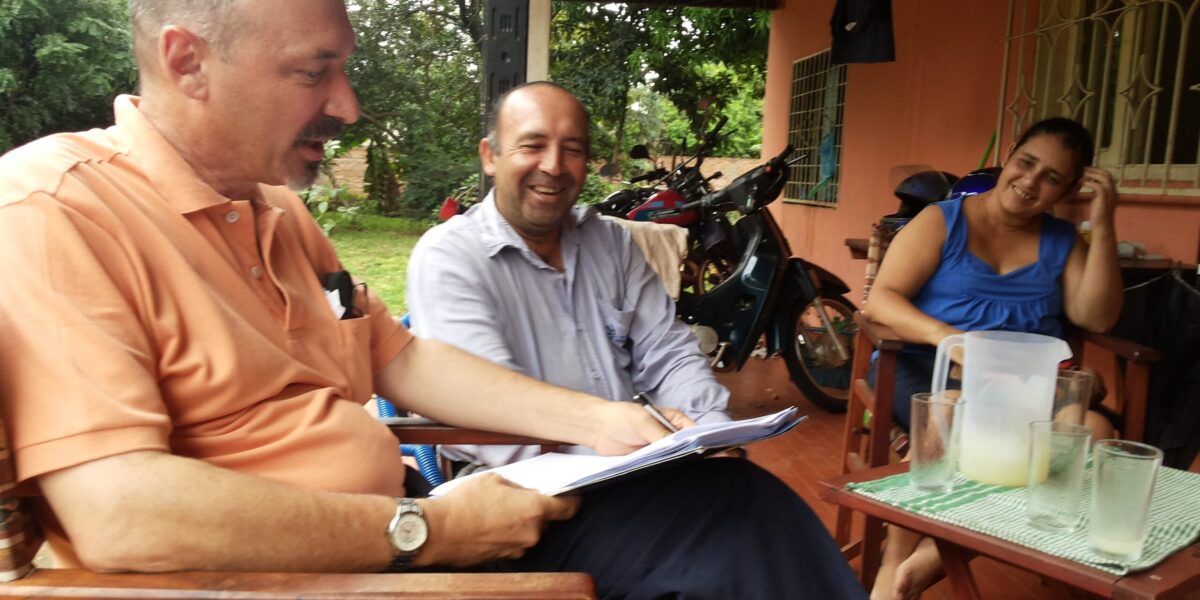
(232,217)
(255,272)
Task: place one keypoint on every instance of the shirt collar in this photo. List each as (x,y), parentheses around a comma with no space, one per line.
(176,180)
(497,234)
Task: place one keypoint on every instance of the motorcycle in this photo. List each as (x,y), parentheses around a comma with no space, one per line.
(711,256)
(457,203)
(798,307)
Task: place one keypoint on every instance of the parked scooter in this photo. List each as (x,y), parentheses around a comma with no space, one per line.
(798,306)
(661,198)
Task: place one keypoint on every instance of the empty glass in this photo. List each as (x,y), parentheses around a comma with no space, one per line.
(1057,455)
(1072,394)
(933,432)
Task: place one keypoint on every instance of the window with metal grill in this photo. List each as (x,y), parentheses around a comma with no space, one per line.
(1129,71)
(815,129)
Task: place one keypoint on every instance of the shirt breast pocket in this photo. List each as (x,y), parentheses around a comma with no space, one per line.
(617,324)
(355,342)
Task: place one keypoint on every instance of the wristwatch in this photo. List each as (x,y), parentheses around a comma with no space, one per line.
(407,531)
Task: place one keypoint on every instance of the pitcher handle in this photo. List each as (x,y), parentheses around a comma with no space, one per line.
(941,362)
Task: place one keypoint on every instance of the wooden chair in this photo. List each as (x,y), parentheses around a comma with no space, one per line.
(20,538)
(864,447)
(1125,365)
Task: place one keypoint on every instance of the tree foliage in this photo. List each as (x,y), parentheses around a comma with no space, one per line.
(654,75)
(416,71)
(61,63)
(660,75)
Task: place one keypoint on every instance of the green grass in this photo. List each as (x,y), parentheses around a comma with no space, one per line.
(375,249)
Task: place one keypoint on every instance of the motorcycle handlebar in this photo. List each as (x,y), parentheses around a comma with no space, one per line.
(745,183)
(649,175)
(712,135)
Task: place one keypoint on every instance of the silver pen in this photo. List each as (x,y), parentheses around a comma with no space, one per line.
(644,400)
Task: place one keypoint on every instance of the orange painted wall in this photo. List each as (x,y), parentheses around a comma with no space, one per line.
(935,105)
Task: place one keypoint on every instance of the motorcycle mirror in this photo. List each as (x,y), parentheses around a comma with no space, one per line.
(610,169)
(639,151)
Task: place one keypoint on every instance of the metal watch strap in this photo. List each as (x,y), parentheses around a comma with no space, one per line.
(401,561)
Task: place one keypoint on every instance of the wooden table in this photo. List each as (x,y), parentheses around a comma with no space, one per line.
(1176,577)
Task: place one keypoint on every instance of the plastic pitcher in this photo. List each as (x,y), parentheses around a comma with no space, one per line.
(1008,382)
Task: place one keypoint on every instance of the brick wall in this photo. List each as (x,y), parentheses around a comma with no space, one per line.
(350,168)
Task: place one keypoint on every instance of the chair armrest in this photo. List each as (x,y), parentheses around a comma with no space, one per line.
(880,336)
(1119,346)
(419,430)
(77,583)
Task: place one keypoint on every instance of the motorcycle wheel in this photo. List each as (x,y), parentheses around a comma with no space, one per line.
(812,364)
(701,272)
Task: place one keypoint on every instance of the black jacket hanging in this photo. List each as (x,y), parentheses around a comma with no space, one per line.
(862,32)
(1164,313)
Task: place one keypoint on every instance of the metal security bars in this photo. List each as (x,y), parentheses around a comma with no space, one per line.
(1129,70)
(815,129)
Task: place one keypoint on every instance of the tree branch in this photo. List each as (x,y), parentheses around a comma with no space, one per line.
(381,126)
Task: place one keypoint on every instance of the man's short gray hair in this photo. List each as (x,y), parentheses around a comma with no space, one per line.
(214,20)
(493,117)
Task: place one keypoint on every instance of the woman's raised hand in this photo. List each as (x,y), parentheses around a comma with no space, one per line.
(1104,201)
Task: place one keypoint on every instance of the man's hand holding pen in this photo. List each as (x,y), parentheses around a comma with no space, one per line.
(644,400)
(626,426)
(661,417)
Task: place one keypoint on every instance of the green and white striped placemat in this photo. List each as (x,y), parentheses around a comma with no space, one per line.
(1000,512)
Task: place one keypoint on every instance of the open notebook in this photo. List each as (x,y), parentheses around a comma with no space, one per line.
(556,474)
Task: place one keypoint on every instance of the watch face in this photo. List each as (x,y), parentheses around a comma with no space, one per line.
(410,532)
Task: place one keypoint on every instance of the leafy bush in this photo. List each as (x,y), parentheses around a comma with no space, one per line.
(333,207)
(595,189)
(61,63)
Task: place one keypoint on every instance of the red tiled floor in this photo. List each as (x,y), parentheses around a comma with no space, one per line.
(811,452)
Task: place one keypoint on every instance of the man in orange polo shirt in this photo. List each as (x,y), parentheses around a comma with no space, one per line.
(185,396)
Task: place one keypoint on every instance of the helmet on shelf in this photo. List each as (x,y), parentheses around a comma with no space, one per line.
(920,190)
(975,182)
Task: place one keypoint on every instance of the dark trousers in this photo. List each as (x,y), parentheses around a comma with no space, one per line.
(711,528)
(914,373)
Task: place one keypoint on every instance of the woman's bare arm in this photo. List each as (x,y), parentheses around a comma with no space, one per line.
(1092,289)
(912,258)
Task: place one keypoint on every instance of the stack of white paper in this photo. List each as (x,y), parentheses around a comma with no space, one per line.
(555,474)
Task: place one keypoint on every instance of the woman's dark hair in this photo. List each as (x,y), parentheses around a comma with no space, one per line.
(1073,135)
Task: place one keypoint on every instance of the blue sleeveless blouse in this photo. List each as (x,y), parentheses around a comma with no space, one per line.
(966,292)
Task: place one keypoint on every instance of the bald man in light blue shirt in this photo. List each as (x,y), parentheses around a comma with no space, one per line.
(532,282)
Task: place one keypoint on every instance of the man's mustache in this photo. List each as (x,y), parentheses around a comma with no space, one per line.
(323,128)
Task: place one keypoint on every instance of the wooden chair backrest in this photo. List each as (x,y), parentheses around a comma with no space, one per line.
(20,536)
(877,245)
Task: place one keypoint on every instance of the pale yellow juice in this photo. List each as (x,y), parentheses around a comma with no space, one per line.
(999,460)
(1124,487)
(1124,547)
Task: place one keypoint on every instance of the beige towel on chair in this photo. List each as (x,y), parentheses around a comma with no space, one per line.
(664,246)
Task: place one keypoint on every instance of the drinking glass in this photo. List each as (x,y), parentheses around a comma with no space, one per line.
(934,431)
(1057,454)
(1072,393)
(1122,485)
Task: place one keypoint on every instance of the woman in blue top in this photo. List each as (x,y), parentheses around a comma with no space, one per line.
(993,261)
